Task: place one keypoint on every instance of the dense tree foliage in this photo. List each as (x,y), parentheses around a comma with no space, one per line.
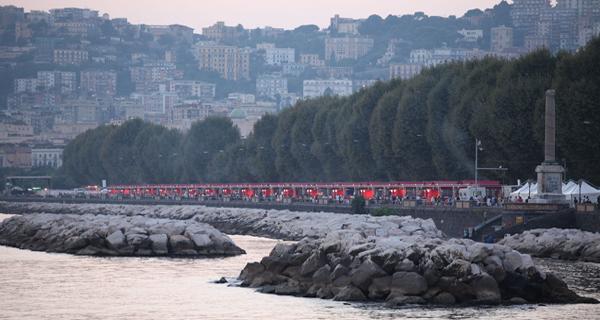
(423,128)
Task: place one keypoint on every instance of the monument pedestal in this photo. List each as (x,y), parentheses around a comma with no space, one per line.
(549,177)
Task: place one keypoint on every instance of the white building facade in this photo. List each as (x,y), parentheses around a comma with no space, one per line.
(279,56)
(334,87)
(47,157)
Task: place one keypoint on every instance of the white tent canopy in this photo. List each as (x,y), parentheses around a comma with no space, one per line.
(568,185)
(569,189)
(582,191)
(528,189)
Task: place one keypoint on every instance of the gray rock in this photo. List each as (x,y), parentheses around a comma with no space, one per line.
(324,293)
(180,245)
(517,301)
(493,260)
(75,243)
(221,281)
(431,276)
(201,240)
(266,289)
(267,278)
(312,264)
(338,271)
(380,288)
(116,240)
(496,271)
(159,244)
(342,281)
(512,261)
(88,251)
(282,249)
(399,301)
(273,264)
(143,252)
(292,272)
(444,298)
(251,270)
(408,284)
(136,230)
(460,290)
(458,268)
(406,266)
(322,275)
(350,293)
(138,240)
(486,289)
(287,289)
(365,273)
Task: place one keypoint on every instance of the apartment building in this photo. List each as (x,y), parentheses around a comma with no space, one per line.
(347,47)
(232,63)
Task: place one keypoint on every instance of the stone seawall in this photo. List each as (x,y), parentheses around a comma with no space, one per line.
(451,221)
(279,224)
(588,221)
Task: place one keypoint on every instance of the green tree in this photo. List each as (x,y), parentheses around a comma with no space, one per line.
(203,142)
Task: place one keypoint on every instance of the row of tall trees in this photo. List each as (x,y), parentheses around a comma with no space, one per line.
(421,129)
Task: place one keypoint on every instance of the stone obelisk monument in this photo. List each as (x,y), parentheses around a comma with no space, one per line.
(550,172)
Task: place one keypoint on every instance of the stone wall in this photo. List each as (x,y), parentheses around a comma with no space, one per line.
(588,221)
(452,221)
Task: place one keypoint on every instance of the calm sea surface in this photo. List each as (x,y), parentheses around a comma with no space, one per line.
(36,285)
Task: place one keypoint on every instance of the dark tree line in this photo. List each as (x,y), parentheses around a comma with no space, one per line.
(419,129)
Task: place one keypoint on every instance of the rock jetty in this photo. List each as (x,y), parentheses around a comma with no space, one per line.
(102,235)
(278,224)
(565,244)
(402,270)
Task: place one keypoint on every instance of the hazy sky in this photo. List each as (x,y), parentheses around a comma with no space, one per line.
(255,13)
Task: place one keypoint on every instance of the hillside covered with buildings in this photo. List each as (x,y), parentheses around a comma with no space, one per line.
(421,129)
(70,70)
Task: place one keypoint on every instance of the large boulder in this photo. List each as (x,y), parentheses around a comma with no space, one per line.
(380,288)
(443,298)
(201,240)
(181,245)
(251,270)
(486,290)
(322,276)
(408,284)
(160,244)
(116,240)
(313,263)
(365,273)
(350,293)
(512,261)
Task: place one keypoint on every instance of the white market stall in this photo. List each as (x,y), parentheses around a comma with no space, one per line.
(582,190)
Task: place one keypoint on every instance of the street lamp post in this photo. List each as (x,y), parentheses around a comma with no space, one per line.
(580,183)
(477,148)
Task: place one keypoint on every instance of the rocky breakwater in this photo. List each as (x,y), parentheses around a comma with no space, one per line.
(413,268)
(101,235)
(566,244)
(279,224)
